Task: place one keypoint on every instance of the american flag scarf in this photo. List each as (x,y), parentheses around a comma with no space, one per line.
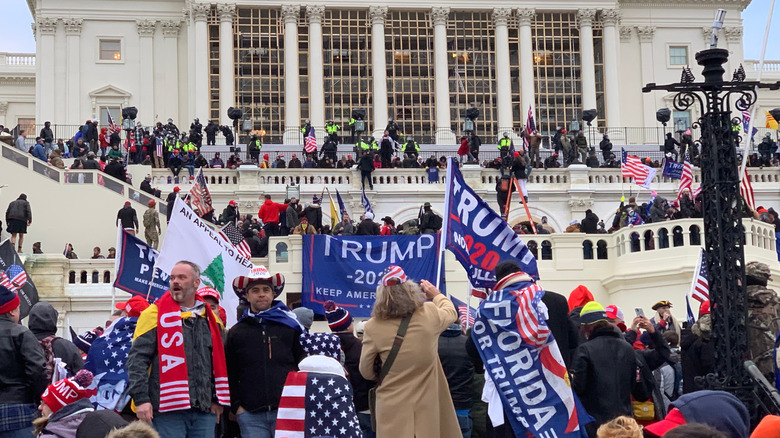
(174,383)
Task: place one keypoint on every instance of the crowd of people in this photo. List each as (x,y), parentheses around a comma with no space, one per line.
(412,369)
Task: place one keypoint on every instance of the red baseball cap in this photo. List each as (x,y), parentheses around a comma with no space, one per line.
(673,419)
(209,292)
(232,203)
(134,306)
(614,312)
(704,309)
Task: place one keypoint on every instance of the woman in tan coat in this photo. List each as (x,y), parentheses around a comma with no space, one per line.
(413,400)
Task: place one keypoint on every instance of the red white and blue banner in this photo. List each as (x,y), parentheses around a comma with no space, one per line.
(477,235)
(524,364)
(14,277)
(135,269)
(348,269)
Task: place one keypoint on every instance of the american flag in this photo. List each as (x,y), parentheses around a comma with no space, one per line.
(467,314)
(200,196)
(316,405)
(112,127)
(686,181)
(746,190)
(530,127)
(106,359)
(633,167)
(158,142)
(745,120)
(310,142)
(14,278)
(479,292)
(231,235)
(531,329)
(700,287)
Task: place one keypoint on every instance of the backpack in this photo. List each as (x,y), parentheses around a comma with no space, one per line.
(48,354)
(436,222)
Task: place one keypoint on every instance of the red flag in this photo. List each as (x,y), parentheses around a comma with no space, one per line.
(746,190)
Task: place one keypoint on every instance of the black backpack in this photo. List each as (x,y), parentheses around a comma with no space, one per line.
(436,222)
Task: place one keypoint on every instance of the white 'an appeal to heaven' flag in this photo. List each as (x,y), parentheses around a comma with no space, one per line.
(191,238)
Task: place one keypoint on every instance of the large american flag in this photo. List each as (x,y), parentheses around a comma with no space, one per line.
(746,190)
(686,180)
(316,405)
(310,142)
(107,360)
(467,314)
(700,287)
(528,319)
(14,278)
(112,127)
(632,167)
(231,234)
(200,197)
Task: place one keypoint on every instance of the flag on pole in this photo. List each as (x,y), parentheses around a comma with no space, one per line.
(632,167)
(530,128)
(200,198)
(190,238)
(106,360)
(231,234)
(771,123)
(689,316)
(310,142)
(334,215)
(467,314)
(366,203)
(112,127)
(700,287)
(686,179)
(14,277)
(480,292)
(342,206)
(746,190)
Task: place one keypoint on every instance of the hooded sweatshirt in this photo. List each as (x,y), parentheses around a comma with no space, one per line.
(43,323)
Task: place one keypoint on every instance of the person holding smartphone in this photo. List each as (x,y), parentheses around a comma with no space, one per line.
(664,321)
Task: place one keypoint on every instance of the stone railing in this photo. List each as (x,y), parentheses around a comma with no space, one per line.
(17,59)
(751,65)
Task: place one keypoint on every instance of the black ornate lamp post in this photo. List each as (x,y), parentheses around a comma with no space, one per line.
(721,208)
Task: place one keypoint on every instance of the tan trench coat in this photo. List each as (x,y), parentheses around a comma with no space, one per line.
(414,399)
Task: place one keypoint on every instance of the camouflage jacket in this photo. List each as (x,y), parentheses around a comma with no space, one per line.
(763,326)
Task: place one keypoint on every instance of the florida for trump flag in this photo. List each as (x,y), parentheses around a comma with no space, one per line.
(510,330)
(107,360)
(316,405)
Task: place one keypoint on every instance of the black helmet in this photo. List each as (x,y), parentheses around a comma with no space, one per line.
(370,139)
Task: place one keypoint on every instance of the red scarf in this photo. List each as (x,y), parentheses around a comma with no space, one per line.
(174,383)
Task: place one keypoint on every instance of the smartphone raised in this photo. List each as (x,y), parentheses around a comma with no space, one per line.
(639,311)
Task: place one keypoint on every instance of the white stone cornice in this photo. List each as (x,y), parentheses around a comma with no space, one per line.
(625,33)
(585,17)
(733,34)
(645,33)
(525,16)
(73,25)
(170,28)
(610,17)
(47,25)
(200,11)
(315,13)
(145,28)
(740,4)
(440,15)
(226,12)
(291,13)
(501,16)
(377,14)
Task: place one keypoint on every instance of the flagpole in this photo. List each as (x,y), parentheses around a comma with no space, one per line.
(468,306)
(748,134)
(445,227)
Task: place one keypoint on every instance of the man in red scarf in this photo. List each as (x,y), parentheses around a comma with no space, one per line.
(176,366)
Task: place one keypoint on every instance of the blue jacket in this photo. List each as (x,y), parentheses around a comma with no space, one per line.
(39,152)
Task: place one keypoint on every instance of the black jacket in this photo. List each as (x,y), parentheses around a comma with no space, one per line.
(367,227)
(22,379)
(146,186)
(259,357)
(47,135)
(352,347)
(698,358)
(128,217)
(314,214)
(604,374)
(169,201)
(366,163)
(116,170)
(229,215)
(564,331)
(458,367)
(43,323)
(590,224)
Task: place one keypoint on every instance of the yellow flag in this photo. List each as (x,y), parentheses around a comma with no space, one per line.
(334,216)
(771,123)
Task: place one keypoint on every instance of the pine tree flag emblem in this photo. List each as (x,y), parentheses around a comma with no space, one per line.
(215,273)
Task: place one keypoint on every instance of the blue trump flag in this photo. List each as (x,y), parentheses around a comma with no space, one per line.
(523,365)
(477,235)
(342,207)
(348,269)
(135,269)
(107,361)
(673,169)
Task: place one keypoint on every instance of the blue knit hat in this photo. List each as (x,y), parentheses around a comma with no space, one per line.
(9,300)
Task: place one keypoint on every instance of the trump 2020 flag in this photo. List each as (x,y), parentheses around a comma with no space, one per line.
(523,365)
(190,238)
(477,235)
(107,360)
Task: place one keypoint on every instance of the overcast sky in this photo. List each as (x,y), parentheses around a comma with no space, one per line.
(16,34)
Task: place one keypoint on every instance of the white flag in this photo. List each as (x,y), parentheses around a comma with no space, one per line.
(191,238)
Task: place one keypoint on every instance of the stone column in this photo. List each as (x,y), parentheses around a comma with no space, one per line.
(527,88)
(503,76)
(227,68)
(587,60)
(314,15)
(610,18)
(199,90)
(47,28)
(170,106)
(378,67)
(734,46)
(146,108)
(444,134)
(73,114)
(645,34)
(292,97)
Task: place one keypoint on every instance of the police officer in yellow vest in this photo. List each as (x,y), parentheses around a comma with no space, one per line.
(333,131)
(361,146)
(411,148)
(505,145)
(372,145)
